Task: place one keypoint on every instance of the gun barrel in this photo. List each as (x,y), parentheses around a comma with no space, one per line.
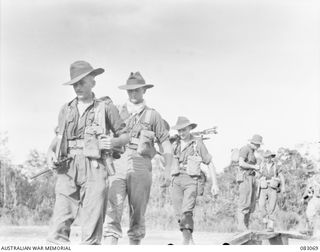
(40,173)
(49,170)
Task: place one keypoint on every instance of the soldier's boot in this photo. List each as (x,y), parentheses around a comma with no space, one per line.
(187,236)
(270,227)
(241,222)
(134,241)
(111,240)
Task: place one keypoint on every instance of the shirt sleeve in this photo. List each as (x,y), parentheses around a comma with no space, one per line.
(244,152)
(158,127)
(61,119)
(203,151)
(114,120)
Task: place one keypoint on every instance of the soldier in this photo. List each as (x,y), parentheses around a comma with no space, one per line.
(246,179)
(83,126)
(145,126)
(312,193)
(271,182)
(189,153)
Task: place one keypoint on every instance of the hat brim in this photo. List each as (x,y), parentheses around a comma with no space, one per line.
(269,155)
(254,142)
(93,72)
(135,86)
(181,126)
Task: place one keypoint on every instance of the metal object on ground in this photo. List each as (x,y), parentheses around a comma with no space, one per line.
(264,238)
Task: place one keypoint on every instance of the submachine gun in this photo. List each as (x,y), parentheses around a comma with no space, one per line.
(58,165)
(198,134)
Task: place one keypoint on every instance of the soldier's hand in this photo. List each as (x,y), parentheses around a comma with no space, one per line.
(257,167)
(214,190)
(105,143)
(51,160)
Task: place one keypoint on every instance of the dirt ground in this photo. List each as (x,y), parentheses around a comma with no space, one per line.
(36,235)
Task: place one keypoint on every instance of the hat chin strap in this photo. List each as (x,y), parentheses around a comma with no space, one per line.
(135,108)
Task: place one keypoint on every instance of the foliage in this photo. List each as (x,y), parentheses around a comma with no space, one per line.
(31,202)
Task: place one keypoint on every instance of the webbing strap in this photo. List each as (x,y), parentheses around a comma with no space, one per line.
(100,115)
(147,117)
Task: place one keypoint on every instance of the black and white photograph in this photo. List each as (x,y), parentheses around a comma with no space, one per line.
(171,122)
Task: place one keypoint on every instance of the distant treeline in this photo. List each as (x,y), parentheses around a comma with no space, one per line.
(30,202)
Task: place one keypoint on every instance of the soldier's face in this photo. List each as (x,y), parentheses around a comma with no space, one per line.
(136,95)
(255,146)
(184,133)
(83,88)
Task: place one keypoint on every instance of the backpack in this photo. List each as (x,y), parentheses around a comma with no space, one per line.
(235,154)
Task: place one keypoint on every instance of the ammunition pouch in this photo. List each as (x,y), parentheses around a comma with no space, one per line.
(263,183)
(239,176)
(274,183)
(145,145)
(193,165)
(91,142)
(175,167)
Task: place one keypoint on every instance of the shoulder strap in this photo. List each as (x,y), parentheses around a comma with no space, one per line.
(147,117)
(100,115)
(195,145)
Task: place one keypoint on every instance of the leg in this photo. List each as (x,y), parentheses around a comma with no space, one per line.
(94,194)
(262,205)
(139,185)
(177,197)
(311,213)
(271,208)
(189,185)
(65,209)
(116,197)
(244,204)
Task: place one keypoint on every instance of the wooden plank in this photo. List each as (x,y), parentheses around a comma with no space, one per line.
(264,237)
(240,239)
(297,236)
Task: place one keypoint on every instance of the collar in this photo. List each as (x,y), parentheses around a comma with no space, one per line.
(74,102)
(192,140)
(134,109)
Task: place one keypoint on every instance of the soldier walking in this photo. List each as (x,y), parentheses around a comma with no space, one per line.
(312,193)
(83,126)
(271,182)
(247,183)
(189,153)
(145,126)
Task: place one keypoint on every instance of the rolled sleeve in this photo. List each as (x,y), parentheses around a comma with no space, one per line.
(244,153)
(158,127)
(203,151)
(114,120)
(61,119)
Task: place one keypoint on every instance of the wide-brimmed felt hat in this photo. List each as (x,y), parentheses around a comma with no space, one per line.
(183,122)
(256,139)
(269,153)
(135,81)
(80,69)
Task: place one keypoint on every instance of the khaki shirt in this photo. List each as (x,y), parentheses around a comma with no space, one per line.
(196,144)
(156,125)
(75,125)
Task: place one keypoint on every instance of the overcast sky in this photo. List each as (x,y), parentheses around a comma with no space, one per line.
(246,66)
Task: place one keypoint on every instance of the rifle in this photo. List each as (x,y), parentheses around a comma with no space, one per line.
(57,166)
(202,134)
